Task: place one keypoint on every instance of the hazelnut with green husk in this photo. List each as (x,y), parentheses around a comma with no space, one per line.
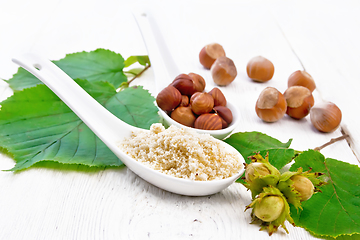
(272,192)
(259,174)
(270,208)
(299,186)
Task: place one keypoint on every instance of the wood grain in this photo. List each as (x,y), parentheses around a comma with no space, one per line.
(75,202)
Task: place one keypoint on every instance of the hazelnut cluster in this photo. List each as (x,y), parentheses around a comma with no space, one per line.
(297,101)
(186,102)
(272,192)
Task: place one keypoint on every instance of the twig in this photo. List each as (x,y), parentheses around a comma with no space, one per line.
(139,74)
(333,140)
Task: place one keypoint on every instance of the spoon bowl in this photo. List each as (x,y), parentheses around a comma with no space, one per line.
(165,70)
(111,130)
(219,134)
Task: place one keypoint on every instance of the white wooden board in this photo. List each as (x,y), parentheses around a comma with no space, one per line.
(73,202)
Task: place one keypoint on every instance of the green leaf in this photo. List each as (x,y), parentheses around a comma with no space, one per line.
(134,71)
(341,237)
(309,160)
(249,143)
(335,211)
(135,106)
(142,60)
(99,65)
(35,125)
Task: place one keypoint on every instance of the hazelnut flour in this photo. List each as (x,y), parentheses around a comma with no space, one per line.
(181,153)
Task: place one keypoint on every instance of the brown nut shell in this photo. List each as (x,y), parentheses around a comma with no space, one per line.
(201,102)
(225,113)
(184,115)
(326,117)
(302,78)
(208,121)
(219,97)
(260,69)
(271,105)
(223,71)
(299,101)
(184,84)
(168,98)
(210,53)
(199,82)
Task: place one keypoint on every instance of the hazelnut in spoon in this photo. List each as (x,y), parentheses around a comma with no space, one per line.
(166,70)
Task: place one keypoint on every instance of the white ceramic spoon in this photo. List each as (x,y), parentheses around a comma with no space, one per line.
(112,130)
(165,70)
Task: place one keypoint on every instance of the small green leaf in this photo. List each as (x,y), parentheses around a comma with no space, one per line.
(142,60)
(35,125)
(249,143)
(336,210)
(99,65)
(134,71)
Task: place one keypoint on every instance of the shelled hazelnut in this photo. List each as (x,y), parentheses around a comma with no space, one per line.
(168,99)
(225,114)
(184,115)
(219,98)
(199,82)
(202,110)
(184,84)
(208,121)
(201,102)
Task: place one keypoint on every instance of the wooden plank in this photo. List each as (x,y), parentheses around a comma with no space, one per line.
(329,51)
(81,203)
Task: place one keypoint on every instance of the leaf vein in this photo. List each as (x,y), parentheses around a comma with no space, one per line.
(49,127)
(127,109)
(96,150)
(33,118)
(322,210)
(337,196)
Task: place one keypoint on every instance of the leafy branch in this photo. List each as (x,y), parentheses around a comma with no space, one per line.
(140,73)
(332,213)
(135,72)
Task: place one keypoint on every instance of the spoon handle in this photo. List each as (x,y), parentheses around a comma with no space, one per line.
(162,62)
(92,113)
